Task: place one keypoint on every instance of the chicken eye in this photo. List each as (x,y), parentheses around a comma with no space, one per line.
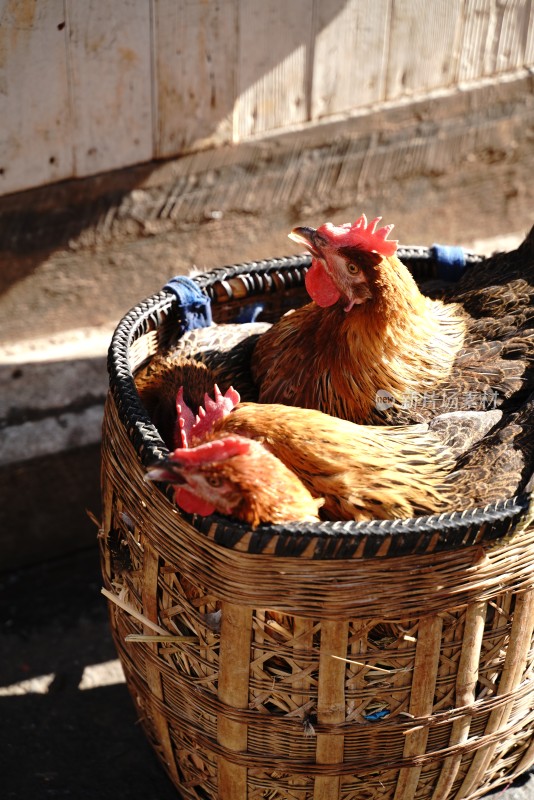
(213,480)
(353,268)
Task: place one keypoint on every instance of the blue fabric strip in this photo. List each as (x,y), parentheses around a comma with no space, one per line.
(377,715)
(194,305)
(250,313)
(450,260)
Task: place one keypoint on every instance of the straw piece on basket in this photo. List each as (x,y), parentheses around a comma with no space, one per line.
(363,664)
(331,704)
(466,683)
(107,514)
(421,700)
(139,637)
(234,659)
(133,612)
(514,665)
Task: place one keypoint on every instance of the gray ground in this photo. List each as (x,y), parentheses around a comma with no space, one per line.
(77,735)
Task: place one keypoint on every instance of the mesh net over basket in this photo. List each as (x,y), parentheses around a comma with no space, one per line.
(334,661)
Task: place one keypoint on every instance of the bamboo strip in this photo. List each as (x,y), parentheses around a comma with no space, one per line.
(355,683)
(107,516)
(234,660)
(169,639)
(526,762)
(425,671)
(302,644)
(331,705)
(514,665)
(153,671)
(150,584)
(466,682)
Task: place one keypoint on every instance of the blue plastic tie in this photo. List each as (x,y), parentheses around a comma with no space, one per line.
(194,305)
(450,260)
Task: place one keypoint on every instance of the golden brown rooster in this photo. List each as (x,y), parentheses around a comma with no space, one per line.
(372,348)
(360,472)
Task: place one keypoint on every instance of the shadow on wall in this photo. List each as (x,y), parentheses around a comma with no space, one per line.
(43,506)
(35,224)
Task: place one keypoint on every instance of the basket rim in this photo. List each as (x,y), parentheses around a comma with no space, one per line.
(457,528)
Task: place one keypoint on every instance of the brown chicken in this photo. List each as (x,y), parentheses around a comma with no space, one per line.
(371,348)
(228,475)
(360,472)
(218,354)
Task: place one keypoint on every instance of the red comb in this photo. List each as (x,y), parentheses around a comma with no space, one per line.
(362,235)
(189,427)
(185,420)
(218,450)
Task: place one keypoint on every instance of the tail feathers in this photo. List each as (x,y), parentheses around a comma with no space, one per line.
(527,245)
(502,463)
(500,268)
(461,430)
(497,311)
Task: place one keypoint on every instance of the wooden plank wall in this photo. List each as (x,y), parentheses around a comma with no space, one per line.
(87,86)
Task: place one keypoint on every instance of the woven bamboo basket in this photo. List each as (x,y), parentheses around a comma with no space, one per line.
(329,661)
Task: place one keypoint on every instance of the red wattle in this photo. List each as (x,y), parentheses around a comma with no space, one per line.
(320,285)
(192,504)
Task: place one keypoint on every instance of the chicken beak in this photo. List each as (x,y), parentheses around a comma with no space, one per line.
(307,237)
(165,472)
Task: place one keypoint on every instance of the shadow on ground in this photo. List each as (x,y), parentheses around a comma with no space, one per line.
(67,742)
